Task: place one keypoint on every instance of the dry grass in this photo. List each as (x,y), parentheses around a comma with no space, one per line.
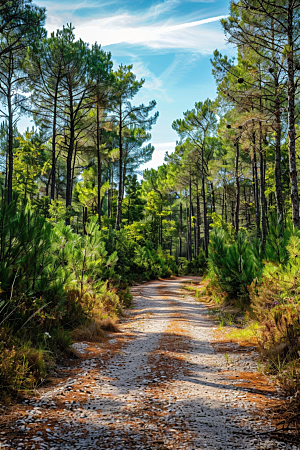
(110,325)
(95,331)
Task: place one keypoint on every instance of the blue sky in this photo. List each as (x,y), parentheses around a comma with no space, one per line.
(169,43)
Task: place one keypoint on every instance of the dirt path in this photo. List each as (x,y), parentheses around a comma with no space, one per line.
(161,384)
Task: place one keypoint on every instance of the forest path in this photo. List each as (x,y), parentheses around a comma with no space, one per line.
(163,383)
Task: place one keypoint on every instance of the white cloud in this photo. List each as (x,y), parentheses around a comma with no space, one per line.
(144,27)
(60,13)
(119,29)
(165,146)
(159,155)
(153,84)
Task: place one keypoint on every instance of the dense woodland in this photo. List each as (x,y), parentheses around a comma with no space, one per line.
(77,225)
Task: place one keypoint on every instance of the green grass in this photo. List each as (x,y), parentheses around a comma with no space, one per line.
(248,333)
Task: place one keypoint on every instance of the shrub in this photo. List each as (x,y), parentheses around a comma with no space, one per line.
(233,263)
(21,365)
(276,303)
(195,267)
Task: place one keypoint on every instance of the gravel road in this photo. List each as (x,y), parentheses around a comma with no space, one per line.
(163,383)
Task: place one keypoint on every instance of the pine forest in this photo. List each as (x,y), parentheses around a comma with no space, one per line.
(81,221)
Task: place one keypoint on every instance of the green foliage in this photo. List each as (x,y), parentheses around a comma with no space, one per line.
(86,263)
(27,263)
(133,203)
(135,261)
(277,241)
(52,279)
(154,264)
(276,304)
(219,223)
(233,264)
(195,267)
(30,162)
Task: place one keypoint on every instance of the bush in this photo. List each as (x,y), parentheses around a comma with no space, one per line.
(21,365)
(233,264)
(28,268)
(276,303)
(278,240)
(195,267)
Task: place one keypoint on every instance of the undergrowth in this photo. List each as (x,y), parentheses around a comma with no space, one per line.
(57,286)
(265,289)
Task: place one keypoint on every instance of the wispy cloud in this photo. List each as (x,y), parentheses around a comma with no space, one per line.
(153,83)
(61,12)
(186,35)
(147,27)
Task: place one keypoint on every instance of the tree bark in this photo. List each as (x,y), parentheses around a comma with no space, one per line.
(278,184)
(188,236)
(237,185)
(10,148)
(190,217)
(69,180)
(160,231)
(120,193)
(99,165)
(53,170)
(262,196)
(198,222)
(213,202)
(255,189)
(206,229)
(180,230)
(291,117)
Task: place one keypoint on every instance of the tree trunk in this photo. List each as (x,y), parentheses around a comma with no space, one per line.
(6,168)
(195,232)
(73,164)
(225,203)
(255,189)
(124,177)
(69,177)
(291,118)
(171,240)
(206,230)
(180,230)
(237,183)
(278,184)
(213,202)
(190,218)
(188,236)
(53,170)
(120,193)
(246,206)
(110,193)
(83,221)
(10,148)
(262,197)
(160,231)
(198,222)
(99,165)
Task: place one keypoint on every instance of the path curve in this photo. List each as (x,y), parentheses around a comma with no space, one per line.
(159,385)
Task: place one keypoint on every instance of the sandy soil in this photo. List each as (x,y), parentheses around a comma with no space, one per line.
(166,382)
